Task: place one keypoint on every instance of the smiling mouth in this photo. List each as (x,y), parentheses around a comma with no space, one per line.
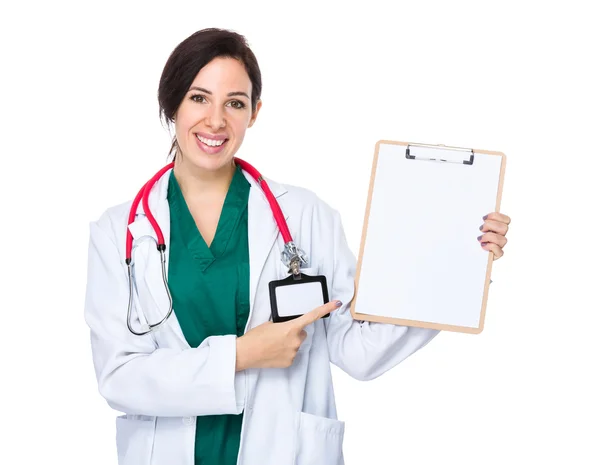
(211,142)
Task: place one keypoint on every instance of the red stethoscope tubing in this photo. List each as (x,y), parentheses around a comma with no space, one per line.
(144,193)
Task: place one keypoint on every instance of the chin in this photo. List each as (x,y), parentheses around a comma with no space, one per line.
(210,162)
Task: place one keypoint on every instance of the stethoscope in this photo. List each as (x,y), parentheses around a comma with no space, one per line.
(292,256)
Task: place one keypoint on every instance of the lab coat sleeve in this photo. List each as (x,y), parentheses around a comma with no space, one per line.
(135,376)
(364,350)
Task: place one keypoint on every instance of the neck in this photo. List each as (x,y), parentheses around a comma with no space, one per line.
(199,184)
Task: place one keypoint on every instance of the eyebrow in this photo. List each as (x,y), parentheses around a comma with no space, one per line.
(230,94)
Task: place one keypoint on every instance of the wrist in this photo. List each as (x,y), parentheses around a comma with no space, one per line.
(240,360)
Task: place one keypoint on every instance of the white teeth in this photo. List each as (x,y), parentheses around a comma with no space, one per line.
(211,142)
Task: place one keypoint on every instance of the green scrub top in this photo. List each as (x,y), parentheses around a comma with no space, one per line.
(211,296)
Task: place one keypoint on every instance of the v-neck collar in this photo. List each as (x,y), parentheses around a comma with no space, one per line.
(235,203)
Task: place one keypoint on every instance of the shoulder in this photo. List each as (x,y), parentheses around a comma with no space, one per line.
(306,206)
(113,220)
(302,198)
(316,226)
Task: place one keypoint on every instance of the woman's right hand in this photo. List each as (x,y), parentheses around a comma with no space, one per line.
(275,345)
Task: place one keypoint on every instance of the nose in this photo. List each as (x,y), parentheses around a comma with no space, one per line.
(216,117)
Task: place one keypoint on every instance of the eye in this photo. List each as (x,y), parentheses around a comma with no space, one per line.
(195,96)
(238,104)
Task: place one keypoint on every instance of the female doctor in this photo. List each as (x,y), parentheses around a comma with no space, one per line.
(220,383)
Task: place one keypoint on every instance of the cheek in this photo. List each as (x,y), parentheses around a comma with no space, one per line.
(239,128)
(183,126)
(188,116)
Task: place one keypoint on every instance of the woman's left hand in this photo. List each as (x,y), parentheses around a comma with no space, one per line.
(494,238)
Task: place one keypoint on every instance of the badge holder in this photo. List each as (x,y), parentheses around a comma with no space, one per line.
(299,293)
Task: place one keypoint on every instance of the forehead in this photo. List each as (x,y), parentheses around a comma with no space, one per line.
(223,73)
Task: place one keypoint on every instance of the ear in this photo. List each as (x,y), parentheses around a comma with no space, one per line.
(255,114)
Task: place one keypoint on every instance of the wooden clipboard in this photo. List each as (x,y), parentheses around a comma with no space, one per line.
(431,277)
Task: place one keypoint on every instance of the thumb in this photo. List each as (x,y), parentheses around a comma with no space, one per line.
(314,315)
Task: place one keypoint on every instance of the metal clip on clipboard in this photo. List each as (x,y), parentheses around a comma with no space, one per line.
(439,153)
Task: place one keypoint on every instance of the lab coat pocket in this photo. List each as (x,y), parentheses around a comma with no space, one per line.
(318,440)
(135,437)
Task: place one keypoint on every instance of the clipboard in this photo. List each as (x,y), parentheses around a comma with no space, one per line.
(420,263)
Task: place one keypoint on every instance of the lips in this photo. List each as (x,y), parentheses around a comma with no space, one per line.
(211,136)
(211,142)
(210,149)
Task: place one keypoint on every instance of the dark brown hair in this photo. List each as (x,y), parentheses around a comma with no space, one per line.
(190,56)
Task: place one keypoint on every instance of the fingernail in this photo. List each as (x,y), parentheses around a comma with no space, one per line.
(481,228)
(479,238)
(338,303)
(485,217)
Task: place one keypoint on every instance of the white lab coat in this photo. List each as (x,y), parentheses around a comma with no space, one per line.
(162,384)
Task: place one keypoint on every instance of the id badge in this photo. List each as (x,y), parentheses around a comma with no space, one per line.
(292,297)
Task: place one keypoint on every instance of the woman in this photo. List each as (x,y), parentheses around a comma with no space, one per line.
(220,383)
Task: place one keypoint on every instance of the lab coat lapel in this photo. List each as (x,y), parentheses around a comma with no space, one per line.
(262,233)
(163,217)
(150,260)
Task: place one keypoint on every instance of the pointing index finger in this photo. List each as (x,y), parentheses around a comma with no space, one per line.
(314,315)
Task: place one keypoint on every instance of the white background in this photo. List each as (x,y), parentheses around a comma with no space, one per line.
(80,132)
